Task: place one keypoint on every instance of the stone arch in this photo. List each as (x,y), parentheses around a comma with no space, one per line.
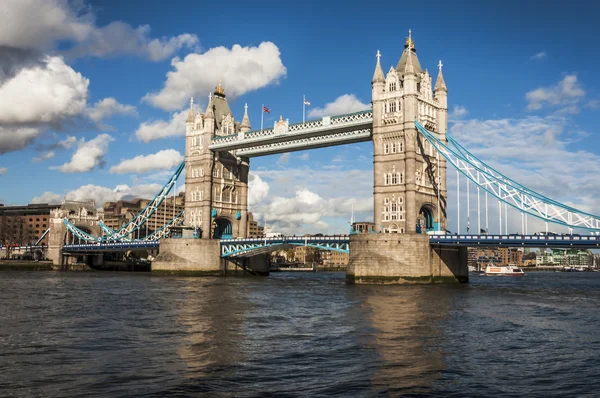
(222,228)
(427,215)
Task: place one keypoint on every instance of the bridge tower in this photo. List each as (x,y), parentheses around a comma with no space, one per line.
(216,182)
(409,183)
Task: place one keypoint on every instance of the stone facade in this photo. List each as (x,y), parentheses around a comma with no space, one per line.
(216,197)
(403,258)
(407,171)
(200,256)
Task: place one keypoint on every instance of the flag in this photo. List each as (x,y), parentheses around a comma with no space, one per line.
(306,102)
(267,110)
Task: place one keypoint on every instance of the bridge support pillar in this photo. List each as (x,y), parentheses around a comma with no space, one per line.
(403,258)
(188,256)
(255,265)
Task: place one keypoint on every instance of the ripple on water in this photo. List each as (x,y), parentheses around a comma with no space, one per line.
(294,334)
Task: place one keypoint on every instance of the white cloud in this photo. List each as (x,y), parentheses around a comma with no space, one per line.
(346,103)
(304,156)
(89,155)
(108,107)
(283,159)
(165,159)
(537,153)
(45,93)
(257,189)
(458,112)
(153,130)
(118,38)
(539,56)
(48,197)
(567,92)
(16,138)
(44,156)
(43,24)
(101,194)
(241,69)
(322,200)
(3,171)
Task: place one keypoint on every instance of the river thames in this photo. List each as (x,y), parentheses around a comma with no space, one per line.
(297,334)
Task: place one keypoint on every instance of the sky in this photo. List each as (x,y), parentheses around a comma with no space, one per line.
(93,95)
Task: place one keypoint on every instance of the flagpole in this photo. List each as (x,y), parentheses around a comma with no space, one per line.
(303,107)
(262,114)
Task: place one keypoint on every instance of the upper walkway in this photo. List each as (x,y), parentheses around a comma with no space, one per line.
(284,137)
(539,241)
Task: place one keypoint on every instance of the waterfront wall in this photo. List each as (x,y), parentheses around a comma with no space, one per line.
(403,258)
(200,256)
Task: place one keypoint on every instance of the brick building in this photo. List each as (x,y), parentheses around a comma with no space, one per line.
(24,225)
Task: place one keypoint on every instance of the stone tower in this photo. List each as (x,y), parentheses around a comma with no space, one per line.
(409,179)
(216,183)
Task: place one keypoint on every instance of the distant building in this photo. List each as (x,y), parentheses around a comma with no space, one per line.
(480,257)
(332,257)
(24,225)
(254,230)
(117,214)
(564,257)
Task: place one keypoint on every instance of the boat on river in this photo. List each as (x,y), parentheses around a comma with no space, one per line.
(508,270)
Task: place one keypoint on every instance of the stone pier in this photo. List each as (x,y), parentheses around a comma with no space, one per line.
(194,256)
(403,258)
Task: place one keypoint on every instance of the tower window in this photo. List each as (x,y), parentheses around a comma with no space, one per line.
(393,147)
(386,148)
(392,86)
(395,179)
(387,179)
(393,106)
(400,146)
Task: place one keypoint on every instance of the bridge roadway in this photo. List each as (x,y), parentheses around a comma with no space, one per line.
(241,247)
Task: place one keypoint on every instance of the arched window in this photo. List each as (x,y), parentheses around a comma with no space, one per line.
(393,147)
(202,172)
(401,146)
(395,179)
(387,179)
(386,201)
(400,199)
(216,172)
(402,178)
(386,148)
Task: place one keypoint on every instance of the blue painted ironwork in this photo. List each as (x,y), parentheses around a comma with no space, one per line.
(238,215)
(110,247)
(539,241)
(250,246)
(213,213)
(223,229)
(506,190)
(139,220)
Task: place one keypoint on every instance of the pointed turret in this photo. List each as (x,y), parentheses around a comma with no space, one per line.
(245,127)
(209,111)
(409,53)
(378,75)
(190,116)
(440,84)
(409,67)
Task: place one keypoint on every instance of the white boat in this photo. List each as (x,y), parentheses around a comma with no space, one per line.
(509,270)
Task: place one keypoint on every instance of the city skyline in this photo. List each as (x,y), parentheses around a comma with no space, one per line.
(94,99)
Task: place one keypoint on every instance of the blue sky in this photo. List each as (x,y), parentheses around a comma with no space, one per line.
(494,54)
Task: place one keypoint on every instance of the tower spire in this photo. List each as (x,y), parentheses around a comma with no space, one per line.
(190,116)
(246,120)
(378,75)
(409,67)
(440,84)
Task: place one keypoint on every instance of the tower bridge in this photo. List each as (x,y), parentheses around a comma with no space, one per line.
(407,124)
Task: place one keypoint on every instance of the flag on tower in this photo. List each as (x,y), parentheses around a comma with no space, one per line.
(306,102)
(267,110)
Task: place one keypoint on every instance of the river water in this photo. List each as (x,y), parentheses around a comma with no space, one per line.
(297,334)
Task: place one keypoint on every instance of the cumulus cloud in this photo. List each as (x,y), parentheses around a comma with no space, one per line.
(257,189)
(101,194)
(346,103)
(458,112)
(566,93)
(48,151)
(48,197)
(155,129)
(108,107)
(241,69)
(536,152)
(283,159)
(46,93)
(89,155)
(539,56)
(16,138)
(43,24)
(3,171)
(165,159)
